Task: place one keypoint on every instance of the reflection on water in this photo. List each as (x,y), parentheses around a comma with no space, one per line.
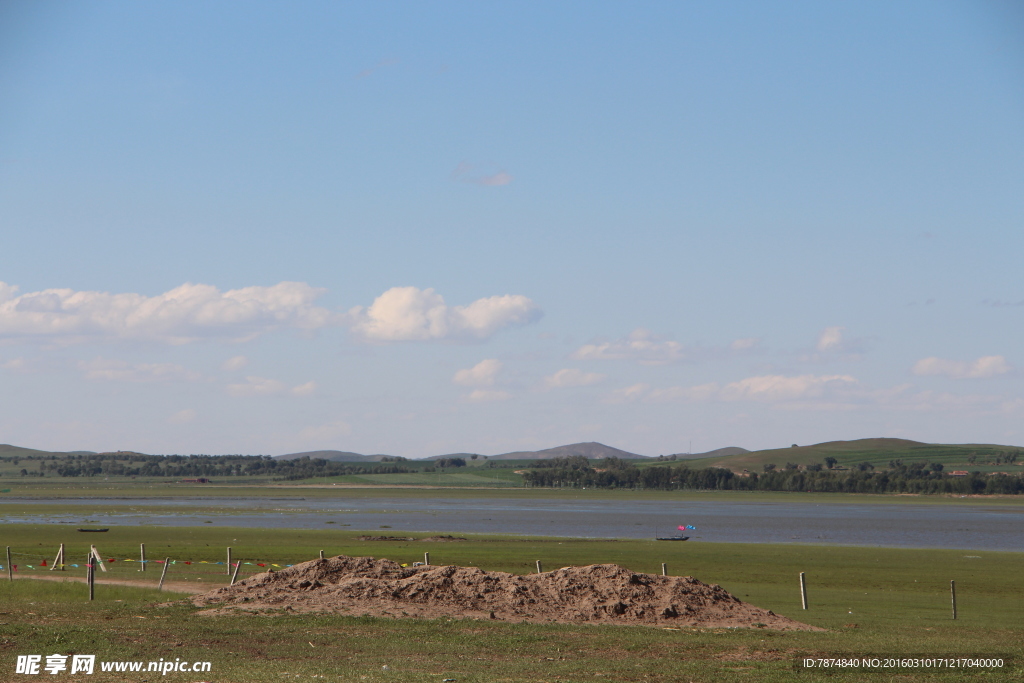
(916,526)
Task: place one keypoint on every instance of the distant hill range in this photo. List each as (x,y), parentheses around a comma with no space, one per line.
(334,456)
(879,452)
(717,453)
(590,450)
(8,451)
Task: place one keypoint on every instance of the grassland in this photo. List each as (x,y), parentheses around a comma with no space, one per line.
(871,600)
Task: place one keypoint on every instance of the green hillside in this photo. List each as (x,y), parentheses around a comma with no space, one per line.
(878,452)
(9,451)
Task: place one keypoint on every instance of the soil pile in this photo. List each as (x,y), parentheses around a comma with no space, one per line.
(600,593)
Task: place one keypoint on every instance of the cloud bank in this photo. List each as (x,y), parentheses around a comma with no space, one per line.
(645,347)
(763,388)
(261,386)
(641,345)
(184,314)
(986,366)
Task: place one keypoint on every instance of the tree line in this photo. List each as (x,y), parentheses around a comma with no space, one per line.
(578,472)
(198,466)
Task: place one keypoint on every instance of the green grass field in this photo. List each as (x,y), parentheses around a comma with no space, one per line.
(871,600)
(878,452)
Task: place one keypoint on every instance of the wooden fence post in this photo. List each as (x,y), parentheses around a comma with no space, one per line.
(234,575)
(664,569)
(321,554)
(96,554)
(10,569)
(229,560)
(803,590)
(539,570)
(142,556)
(59,560)
(90,575)
(160,586)
(426,559)
(952,593)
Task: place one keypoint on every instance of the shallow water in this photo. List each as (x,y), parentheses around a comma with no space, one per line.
(977,527)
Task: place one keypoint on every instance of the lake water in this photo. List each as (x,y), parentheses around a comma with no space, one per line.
(967,526)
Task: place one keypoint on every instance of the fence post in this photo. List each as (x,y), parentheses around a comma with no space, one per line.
(10,569)
(426,559)
(952,593)
(96,554)
(160,586)
(90,575)
(59,560)
(234,575)
(142,556)
(229,560)
(539,570)
(664,569)
(321,554)
(803,590)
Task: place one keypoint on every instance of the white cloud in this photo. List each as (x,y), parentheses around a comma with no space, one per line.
(745,344)
(326,432)
(570,377)
(14,364)
(767,388)
(234,363)
(306,389)
(123,371)
(483,374)
(488,395)
(986,366)
(261,386)
(831,339)
(634,392)
(256,386)
(182,315)
(647,348)
(782,388)
(466,172)
(182,417)
(412,314)
(640,345)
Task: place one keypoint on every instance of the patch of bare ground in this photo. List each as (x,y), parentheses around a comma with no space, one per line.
(600,594)
(172,586)
(435,539)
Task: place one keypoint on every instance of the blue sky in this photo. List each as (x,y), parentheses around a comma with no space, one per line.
(417,229)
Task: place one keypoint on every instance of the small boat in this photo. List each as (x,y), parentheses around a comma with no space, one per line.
(97,531)
(673,538)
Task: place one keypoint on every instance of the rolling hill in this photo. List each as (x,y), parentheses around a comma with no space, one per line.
(717,453)
(878,452)
(333,456)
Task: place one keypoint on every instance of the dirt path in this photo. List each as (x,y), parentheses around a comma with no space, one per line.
(170,586)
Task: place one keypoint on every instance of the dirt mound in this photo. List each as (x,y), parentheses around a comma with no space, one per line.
(600,593)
